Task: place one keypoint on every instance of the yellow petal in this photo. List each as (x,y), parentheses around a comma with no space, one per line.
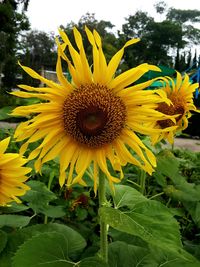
(4,144)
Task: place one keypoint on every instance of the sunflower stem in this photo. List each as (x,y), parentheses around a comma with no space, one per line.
(142,181)
(49,187)
(103,225)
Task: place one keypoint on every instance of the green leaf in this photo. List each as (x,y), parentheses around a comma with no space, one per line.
(127,238)
(14,208)
(167,164)
(17,238)
(180,263)
(50,245)
(126,196)
(81,214)
(54,211)
(14,220)
(183,191)
(39,196)
(3,240)
(165,258)
(194,209)
(168,167)
(151,221)
(125,255)
(92,262)
(47,250)
(4,112)
(76,241)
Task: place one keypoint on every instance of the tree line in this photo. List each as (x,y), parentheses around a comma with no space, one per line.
(169,42)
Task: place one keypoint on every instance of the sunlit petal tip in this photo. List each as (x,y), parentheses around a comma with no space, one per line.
(154,68)
(18,62)
(61,31)
(131,42)
(62,178)
(4,145)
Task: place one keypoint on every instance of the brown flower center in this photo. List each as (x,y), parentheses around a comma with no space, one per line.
(93,115)
(176,108)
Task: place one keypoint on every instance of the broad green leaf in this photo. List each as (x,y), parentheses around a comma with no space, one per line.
(127,238)
(46,249)
(151,221)
(166,258)
(14,220)
(181,263)
(193,248)
(76,241)
(3,240)
(168,167)
(57,242)
(167,164)
(125,255)
(184,191)
(14,208)
(92,262)
(126,196)
(54,211)
(194,209)
(39,196)
(17,238)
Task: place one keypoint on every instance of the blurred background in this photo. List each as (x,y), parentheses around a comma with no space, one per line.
(169,33)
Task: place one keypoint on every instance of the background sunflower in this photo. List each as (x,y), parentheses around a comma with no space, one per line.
(12,175)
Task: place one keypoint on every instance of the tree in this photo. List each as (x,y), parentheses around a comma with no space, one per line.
(156,39)
(38,51)
(11,24)
(160,7)
(160,40)
(186,19)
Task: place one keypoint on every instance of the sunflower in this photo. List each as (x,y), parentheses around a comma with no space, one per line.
(12,175)
(181,93)
(91,121)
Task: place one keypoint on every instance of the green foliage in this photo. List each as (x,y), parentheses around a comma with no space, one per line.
(182,16)
(38,52)
(174,32)
(4,113)
(3,238)
(39,196)
(49,241)
(122,254)
(12,23)
(92,262)
(147,219)
(14,220)
(49,249)
(143,231)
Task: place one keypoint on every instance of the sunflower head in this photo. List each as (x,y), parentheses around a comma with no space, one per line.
(91,122)
(180,92)
(12,175)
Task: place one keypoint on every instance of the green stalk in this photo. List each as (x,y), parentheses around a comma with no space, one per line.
(103,225)
(142,181)
(49,187)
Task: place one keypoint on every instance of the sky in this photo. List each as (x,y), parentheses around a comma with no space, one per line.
(48,15)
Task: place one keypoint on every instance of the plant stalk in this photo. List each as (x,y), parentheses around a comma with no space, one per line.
(103,225)
(142,181)
(49,187)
